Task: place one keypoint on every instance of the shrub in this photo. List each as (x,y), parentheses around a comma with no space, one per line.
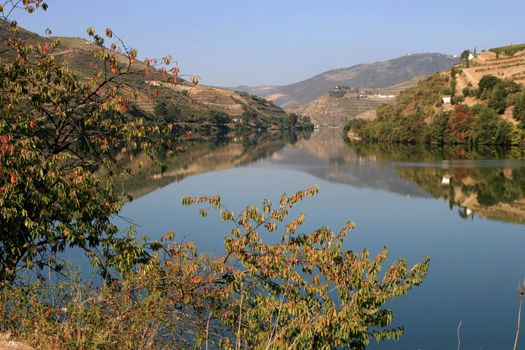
(519,109)
(490,129)
(305,291)
(487,82)
(458,99)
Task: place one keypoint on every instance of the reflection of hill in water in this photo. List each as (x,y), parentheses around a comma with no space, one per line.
(494,193)
(488,181)
(325,155)
(203,157)
(494,189)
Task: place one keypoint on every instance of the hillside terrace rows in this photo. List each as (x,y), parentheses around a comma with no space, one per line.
(487,63)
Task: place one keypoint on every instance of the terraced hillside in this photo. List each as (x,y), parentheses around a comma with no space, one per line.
(337,110)
(494,62)
(480,101)
(193,103)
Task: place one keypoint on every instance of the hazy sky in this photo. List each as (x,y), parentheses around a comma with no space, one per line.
(264,42)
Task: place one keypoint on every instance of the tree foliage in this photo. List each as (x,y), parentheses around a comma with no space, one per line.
(62,138)
(303,290)
(487,82)
(519,109)
(58,134)
(413,118)
(465,57)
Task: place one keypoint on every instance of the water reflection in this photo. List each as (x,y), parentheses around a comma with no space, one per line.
(326,156)
(204,155)
(426,153)
(493,193)
(398,197)
(489,182)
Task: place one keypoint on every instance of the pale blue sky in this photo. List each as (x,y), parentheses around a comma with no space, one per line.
(263,42)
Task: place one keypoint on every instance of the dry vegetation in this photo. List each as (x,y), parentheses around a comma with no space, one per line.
(488,63)
(336,111)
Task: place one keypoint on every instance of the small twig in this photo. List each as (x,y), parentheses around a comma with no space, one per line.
(276,325)
(208,329)
(298,336)
(238,346)
(519,321)
(459,339)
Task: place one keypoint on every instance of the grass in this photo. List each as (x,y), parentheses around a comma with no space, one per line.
(509,50)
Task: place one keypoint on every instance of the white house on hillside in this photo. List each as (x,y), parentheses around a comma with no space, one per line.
(446,99)
(445,181)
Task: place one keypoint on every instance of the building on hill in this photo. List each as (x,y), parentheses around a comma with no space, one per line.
(340,91)
(153,82)
(446,99)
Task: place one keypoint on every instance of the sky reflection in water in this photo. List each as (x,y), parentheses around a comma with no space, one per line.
(470,227)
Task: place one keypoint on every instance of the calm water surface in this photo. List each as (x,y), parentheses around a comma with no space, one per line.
(466,213)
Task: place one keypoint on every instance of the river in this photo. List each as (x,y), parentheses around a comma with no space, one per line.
(465,210)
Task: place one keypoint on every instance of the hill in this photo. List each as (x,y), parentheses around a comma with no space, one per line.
(363,76)
(185,104)
(479,101)
(341,103)
(497,194)
(494,62)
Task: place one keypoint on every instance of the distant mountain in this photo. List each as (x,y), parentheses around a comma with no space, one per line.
(363,76)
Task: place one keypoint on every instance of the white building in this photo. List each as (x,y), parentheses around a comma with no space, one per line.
(446,99)
(153,82)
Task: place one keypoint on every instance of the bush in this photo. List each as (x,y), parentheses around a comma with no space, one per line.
(458,99)
(519,109)
(487,82)
(167,112)
(446,91)
(490,129)
(161,109)
(220,119)
(305,291)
